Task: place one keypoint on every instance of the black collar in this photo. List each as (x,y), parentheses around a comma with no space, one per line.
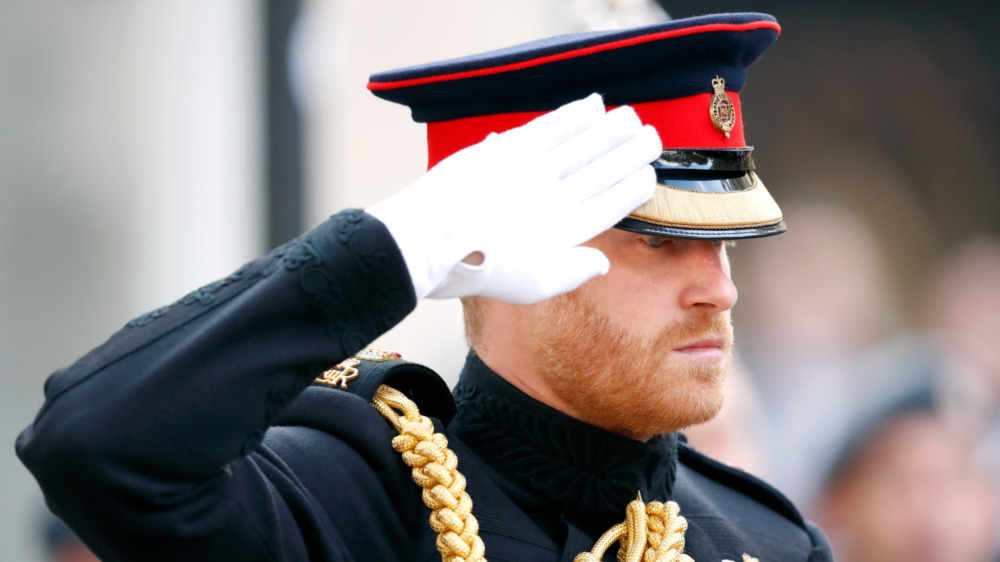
(552,462)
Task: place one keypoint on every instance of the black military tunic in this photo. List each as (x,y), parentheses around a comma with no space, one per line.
(191,435)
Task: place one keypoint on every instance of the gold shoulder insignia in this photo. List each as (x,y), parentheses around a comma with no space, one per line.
(375,354)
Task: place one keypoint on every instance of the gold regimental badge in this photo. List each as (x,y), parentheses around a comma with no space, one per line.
(339,375)
(721,109)
(375,354)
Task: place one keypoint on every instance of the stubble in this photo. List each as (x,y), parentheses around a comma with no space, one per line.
(611,377)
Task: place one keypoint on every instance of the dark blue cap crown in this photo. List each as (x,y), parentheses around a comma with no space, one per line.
(652,63)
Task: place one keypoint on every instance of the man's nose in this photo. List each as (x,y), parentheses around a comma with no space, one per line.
(708,283)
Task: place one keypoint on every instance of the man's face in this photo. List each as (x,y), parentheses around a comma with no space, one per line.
(643,350)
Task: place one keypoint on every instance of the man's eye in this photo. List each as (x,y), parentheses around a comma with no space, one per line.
(654,241)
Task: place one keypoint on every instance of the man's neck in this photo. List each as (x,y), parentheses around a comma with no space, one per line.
(518,369)
(504,346)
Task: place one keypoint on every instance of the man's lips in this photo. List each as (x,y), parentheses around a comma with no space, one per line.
(712,347)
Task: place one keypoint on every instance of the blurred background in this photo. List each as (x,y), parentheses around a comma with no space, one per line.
(150,147)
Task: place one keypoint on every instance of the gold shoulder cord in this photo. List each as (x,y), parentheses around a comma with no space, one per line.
(435,470)
(652,532)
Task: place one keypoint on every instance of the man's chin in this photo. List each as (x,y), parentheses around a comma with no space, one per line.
(660,411)
(701,407)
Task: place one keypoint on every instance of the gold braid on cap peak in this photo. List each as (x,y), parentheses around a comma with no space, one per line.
(435,469)
(652,532)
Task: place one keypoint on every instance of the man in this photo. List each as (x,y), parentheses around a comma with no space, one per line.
(188,436)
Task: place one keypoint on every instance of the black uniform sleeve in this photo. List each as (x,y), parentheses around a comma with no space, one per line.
(150,445)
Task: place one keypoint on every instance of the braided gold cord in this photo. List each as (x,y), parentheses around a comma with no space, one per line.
(652,532)
(435,469)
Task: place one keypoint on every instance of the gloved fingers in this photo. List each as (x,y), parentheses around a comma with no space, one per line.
(542,276)
(463,280)
(544,133)
(602,173)
(614,129)
(599,213)
(607,208)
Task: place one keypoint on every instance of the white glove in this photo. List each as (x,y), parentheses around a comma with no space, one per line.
(525,199)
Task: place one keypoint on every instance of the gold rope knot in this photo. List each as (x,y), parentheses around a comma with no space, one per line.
(435,469)
(652,532)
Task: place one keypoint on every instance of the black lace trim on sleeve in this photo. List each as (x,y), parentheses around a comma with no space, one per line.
(314,257)
(349,268)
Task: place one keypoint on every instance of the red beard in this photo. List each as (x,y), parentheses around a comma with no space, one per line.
(611,377)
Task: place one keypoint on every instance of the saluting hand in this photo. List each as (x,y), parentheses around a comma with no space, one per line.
(505,218)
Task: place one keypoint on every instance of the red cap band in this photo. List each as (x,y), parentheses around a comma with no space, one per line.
(681,123)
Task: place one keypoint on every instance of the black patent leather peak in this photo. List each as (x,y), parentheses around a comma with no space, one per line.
(641,227)
(705,160)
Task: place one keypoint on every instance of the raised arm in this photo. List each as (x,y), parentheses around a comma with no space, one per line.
(142,432)
(150,445)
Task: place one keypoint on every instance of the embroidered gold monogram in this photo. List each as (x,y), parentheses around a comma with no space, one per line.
(748,558)
(721,109)
(340,374)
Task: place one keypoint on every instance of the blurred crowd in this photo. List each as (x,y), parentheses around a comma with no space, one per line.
(888,438)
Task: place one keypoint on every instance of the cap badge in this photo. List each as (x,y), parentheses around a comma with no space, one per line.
(721,109)
(341,374)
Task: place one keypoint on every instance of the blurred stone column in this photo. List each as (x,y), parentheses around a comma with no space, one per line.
(129,174)
(195,150)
